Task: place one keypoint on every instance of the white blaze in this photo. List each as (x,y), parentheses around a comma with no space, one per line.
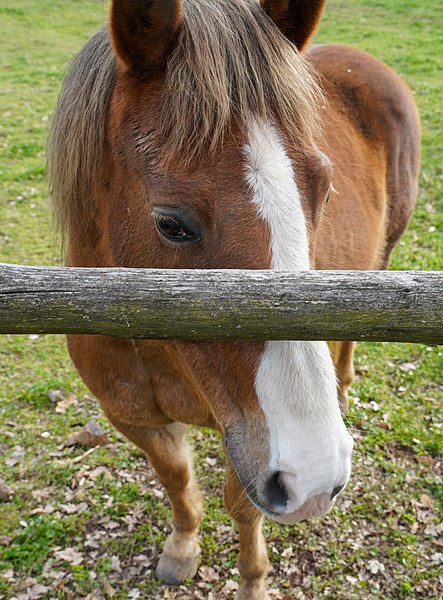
(295,381)
(271,178)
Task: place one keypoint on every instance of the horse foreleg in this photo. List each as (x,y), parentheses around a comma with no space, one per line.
(252,559)
(169,454)
(343,357)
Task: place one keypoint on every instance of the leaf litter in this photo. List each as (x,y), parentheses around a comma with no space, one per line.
(367,541)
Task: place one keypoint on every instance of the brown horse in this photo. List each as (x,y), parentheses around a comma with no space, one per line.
(194,134)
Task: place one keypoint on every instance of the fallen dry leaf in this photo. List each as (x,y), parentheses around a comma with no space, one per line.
(208,574)
(115,564)
(92,435)
(230,586)
(426,501)
(70,555)
(38,591)
(7,575)
(5,540)
(65,403)
(408,366)
(6,491)
(110,591)
(375,566)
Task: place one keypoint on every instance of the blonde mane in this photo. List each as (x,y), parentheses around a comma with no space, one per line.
(230,63)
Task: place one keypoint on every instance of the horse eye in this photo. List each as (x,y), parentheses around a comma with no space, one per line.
(170,227)
(327,196)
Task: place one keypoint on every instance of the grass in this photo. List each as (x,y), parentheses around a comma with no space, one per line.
(384,538)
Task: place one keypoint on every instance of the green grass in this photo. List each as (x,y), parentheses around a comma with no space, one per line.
(396,412)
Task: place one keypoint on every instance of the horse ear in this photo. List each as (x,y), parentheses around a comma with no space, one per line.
(143,32)
(296,19)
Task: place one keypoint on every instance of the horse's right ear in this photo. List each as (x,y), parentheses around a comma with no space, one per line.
(143,32)
(296,19)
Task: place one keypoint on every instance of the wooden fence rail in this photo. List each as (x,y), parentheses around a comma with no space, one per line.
(223,304)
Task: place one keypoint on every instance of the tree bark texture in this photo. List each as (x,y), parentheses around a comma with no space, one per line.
(400,306)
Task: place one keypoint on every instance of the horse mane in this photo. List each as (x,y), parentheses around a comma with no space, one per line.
(205,91)
(78,130)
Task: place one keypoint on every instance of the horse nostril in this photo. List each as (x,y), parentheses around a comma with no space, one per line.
(275,491)
(336,491)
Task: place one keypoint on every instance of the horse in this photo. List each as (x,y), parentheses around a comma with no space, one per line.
(210,134)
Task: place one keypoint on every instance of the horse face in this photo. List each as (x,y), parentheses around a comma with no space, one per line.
(256,207)
(253,203)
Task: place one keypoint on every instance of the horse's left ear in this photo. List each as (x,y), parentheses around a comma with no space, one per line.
(296,19)
(143,32)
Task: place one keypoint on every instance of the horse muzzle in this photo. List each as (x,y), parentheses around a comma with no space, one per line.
(279,499)
(293,494)
(314,507)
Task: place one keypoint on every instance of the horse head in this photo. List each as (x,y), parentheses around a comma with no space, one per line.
(211,160)
(212,170)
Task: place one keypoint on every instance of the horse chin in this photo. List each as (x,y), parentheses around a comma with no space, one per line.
(314,507)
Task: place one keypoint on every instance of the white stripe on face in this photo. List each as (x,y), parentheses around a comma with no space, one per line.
(295,382)
(271,177)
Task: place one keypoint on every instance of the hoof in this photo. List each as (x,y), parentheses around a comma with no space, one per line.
(174,571)
(252,591)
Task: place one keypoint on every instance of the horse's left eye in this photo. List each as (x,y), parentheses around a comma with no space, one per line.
(174,229)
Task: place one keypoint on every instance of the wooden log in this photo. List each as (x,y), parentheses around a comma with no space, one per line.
(223,304)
